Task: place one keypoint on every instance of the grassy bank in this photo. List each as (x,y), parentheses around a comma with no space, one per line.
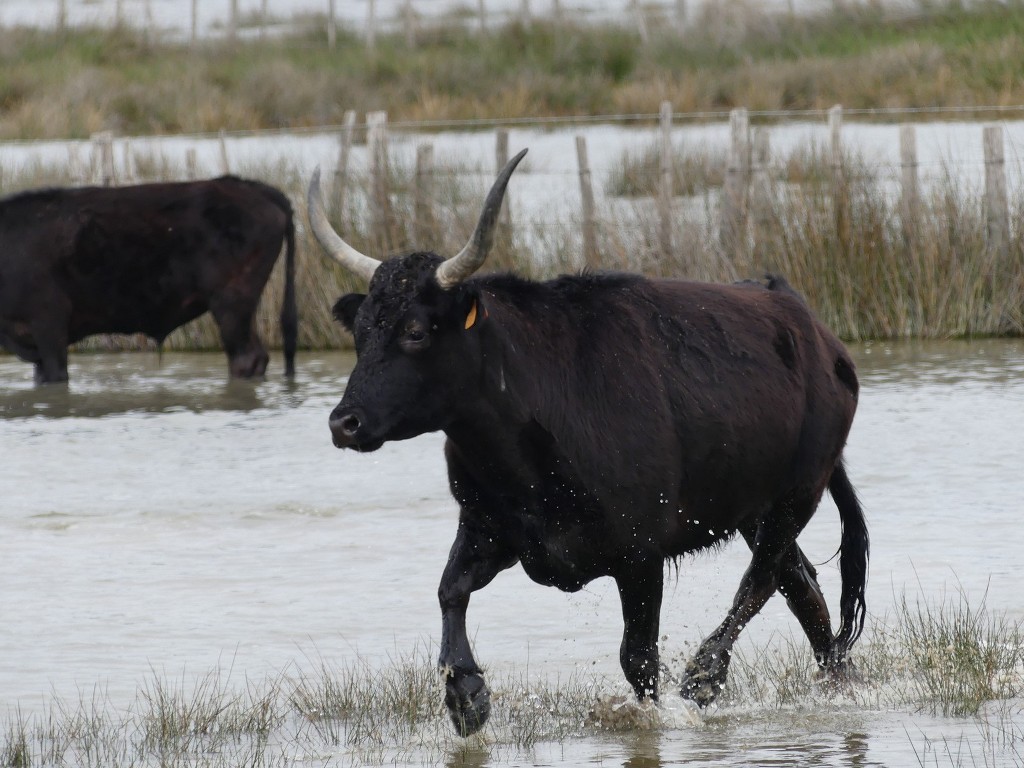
(952,660)
(941,54)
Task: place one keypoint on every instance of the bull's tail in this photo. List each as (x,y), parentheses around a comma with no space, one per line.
(289,310)
(853,561)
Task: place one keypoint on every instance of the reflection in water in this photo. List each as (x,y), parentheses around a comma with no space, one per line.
(470,756)
(109,384)
(643,749)
(997,361)
(855,745)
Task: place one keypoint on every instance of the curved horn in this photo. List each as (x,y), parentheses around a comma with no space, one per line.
(472,256)
(354,261)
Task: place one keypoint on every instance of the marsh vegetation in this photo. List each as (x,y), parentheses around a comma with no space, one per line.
(841,240)
(951,659)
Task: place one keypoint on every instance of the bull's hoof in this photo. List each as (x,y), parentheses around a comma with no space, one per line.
(702,685)
(468,702)
(838,678)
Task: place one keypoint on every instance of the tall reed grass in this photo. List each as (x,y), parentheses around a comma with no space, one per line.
(839,238)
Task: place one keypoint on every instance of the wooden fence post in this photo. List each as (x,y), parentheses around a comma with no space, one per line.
(760,183)
(62,16)
(376,124)
(195,23)
(591,256)
(263,20)
(103,154)
(371,25)
(409,22)
(680,15)
(665,181)
(191,164)
(840,185)
(233,21)
(225,164)
(641,21)
(128,162)
(733,233)
(997,211)
(75,168)
(150,32)
(424,227)
(332,26)
(483,17)
(835,128)
(341,169)
(910,196)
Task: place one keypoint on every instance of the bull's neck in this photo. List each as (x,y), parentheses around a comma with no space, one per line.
(503,425)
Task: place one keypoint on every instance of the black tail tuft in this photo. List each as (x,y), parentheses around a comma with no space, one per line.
(289,309)
(853,560)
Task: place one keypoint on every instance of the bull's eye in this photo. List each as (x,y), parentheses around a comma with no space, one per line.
(415,338)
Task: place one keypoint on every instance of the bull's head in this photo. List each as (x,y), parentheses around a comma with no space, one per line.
(410,330)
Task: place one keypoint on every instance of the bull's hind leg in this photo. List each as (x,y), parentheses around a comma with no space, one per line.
(798,583)
(706,673)
(640,592)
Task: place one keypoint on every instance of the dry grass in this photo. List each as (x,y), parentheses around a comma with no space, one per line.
(944,53)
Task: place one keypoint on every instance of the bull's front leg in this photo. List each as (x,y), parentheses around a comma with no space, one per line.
(640,590)
(473,562)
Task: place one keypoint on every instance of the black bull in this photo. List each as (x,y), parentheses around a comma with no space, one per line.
(146,259)
(598,425)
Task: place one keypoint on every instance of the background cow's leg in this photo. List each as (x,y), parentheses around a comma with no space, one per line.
(775,535)
(51,341)
(473,562)
(798,583)
(640,591)
(52,367)
(246,355)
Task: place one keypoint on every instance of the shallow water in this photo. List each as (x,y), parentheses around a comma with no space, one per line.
(159,519)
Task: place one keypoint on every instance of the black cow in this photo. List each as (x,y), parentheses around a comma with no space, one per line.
(600,424)
(145,258)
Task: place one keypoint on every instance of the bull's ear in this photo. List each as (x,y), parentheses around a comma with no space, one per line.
(346,307)
(474,311)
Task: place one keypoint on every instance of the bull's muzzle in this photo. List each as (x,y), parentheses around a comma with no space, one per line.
(345,426)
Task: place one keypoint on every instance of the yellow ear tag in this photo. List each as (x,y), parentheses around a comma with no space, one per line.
(471,317)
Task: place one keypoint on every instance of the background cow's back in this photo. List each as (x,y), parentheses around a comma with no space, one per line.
(142,259)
